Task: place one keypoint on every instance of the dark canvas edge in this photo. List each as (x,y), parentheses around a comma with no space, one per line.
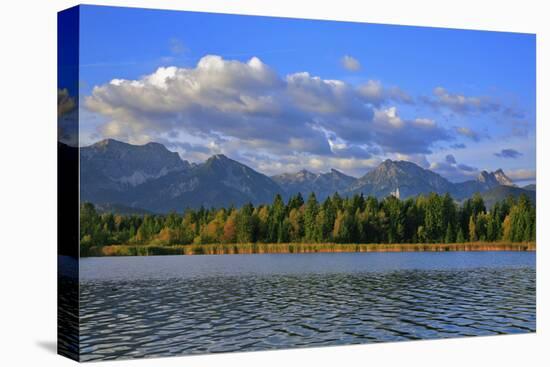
(68,331)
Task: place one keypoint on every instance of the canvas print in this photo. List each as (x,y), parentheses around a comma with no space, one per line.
(233,183)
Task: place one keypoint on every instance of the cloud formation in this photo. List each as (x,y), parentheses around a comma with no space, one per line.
(454,171)
(248,106)
(450,159)
(374,92)
(67,118)
(460,103)
(65,103)
(508,153)
(502,112)
(350,63)
(520,128)
(396,135)
(419,159)
(522,174)
(468,133)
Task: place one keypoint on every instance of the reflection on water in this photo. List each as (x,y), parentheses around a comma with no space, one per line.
(160,306)
(67,307)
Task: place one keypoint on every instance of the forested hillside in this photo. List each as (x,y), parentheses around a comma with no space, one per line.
(424,219)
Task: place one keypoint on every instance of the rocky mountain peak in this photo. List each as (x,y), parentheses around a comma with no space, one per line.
(305,174)
(152,177)
(220,157)
(127,164)
(220,164)
(387,164)
(107,143)
(492,179)
(404,177)
(484,176)
(219,160)
(335,173)
(502,178)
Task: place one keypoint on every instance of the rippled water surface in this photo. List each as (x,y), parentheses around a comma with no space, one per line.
(170,305)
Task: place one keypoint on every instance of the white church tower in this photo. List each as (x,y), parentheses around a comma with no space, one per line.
(395,193)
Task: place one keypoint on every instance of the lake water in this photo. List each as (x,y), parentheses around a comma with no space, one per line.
(172,305)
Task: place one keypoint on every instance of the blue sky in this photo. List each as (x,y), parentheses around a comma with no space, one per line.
(284,94)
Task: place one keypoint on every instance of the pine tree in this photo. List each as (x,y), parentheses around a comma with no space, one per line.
(310,216)
(460,236)
(424,219)
(449,235)
(245,226)
(276,217)
(295,202)
(481,227)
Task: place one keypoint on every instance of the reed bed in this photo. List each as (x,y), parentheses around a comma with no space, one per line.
(301,248)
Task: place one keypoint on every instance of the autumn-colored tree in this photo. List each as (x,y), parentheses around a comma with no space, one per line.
(214,230)
(230,229)
(342,231)
(166,235)
(353,219)
(339,230)
(296,224)
(263,218)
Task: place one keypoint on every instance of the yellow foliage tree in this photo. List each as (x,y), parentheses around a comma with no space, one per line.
(472,229)
(230,228)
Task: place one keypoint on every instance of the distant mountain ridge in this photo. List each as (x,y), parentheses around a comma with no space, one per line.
(151,178)
(531,187)
(109,168)
(218,182)
(402,179)
(499,193)
(141,162)
(322,184)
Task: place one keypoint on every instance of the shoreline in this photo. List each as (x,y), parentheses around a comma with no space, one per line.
(300,248)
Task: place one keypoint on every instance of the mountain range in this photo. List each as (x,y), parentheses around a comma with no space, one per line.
(322,184)
(150,178)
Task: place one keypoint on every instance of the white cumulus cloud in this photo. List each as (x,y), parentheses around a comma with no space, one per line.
(248,107)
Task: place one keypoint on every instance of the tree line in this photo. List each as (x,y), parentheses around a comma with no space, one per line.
(425,219)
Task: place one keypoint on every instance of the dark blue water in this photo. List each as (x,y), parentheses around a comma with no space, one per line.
(170,305)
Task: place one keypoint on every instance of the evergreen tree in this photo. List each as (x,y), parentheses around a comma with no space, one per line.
(342,227)
(449,234)
(356,219)
(460,236)
(276,217)
(245,226)
(310,216)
